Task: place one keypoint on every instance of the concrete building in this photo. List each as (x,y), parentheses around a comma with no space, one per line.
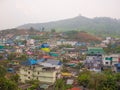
(93,60)
(38,72)
(31,42)
(64,42)
(110,60)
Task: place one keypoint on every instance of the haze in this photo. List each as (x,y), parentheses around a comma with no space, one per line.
(17,12)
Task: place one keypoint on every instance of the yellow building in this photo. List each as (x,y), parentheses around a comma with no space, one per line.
(38,72)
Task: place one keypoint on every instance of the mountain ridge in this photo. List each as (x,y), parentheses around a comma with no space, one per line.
(78,23)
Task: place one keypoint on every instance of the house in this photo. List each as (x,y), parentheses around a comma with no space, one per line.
(15,62)
(2,48)
(116,67)
(95,51)
(30,42)
(38,72)
(64,42)
(69,81)
(72,52)
(111,60)
(80,44)
(94,58)
(51,63)
(18,49)
(42,70)
(9,42)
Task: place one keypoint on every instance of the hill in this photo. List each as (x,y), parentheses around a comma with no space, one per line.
(81,36)
(13,32)
(101,26)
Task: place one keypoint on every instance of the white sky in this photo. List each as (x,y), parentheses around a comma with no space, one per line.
(17,12)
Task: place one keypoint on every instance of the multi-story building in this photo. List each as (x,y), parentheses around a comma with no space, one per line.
(38,72)
(94,58)
(111,60)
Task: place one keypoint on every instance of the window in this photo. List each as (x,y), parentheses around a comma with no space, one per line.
(106,62)
(28,77)
(118,67)
(38,72)
(28,72)
(37,78)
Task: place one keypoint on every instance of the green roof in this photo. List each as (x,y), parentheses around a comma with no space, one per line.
(53,54)
(1,47)
(95,50)
(109,58)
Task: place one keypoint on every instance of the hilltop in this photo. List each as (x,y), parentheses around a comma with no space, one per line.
(97,24)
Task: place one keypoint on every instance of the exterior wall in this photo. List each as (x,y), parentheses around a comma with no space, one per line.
(48,76)
(18,50)
(114,59)
(106,62)
(30,42)
(72,55)
(66,42)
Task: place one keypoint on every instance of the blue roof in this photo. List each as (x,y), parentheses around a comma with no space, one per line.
(117,65)
(30,61)
(10,70)
(44,45)
(10,41)
(40,60)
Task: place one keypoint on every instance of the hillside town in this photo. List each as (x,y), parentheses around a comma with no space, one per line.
(50,60)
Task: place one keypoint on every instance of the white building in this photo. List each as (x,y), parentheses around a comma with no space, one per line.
(64,42)
(31,42)
(109,60)
(38,72)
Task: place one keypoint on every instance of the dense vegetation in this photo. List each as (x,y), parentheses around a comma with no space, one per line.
(99,81)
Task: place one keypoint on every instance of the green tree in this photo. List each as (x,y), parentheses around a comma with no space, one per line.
(1,56)
(84,78)
(6,84)
(11,56)
(23,57)
(15,78)
(60,85)
(2,71)
(108,84)
(53,30)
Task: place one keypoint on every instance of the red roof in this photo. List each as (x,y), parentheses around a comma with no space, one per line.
(75,88)
(74,61)
(47,57)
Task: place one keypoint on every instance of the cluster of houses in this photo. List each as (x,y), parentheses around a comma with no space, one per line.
(45,64)
(97,60)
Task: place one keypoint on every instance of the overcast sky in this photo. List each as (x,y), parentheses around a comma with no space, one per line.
(17,12)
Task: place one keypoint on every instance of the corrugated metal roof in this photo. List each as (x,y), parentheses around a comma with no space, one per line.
(54,62)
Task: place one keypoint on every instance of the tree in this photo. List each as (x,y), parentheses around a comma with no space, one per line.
(6,84)
(11,56)
(53,30)
(2,71)
(60,84)
(109,83)
(84,78)
(1,56)
(23,57)
(15,78)
(99,81)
